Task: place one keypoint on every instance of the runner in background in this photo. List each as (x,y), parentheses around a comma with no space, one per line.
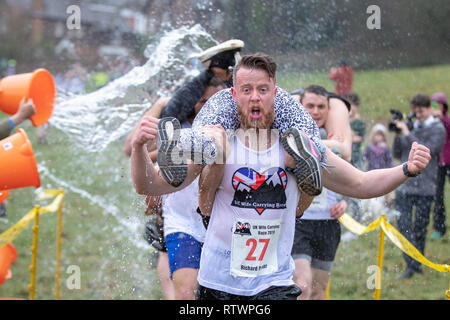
(317,232)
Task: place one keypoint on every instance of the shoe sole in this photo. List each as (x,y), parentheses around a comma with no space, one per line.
(172,171)
(307,167)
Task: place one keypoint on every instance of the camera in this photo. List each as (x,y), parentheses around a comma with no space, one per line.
(397,115)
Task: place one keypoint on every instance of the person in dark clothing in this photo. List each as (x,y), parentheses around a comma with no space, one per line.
(420,191)
(221,65)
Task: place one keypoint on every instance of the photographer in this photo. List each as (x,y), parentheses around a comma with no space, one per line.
(418,192)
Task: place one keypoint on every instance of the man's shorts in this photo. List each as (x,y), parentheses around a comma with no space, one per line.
(317,241)
(271,293)
(183,250)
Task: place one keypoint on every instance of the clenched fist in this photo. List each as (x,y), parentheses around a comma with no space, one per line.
(146,132)
(418,159)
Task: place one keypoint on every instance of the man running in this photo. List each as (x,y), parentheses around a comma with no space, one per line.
(317,233)
(252,198)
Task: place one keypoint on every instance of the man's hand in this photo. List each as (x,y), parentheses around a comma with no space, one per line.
(338,209)
(418,159)
(404,130)
(146,132)
(218,134)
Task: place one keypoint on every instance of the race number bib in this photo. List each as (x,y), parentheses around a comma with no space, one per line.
(321,201)
(254,247)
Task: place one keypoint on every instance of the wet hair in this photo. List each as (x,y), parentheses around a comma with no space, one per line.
(421,100)
(353,98)
(321,91)
(259,61)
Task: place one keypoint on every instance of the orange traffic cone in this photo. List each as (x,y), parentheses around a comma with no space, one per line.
(18,167)
(37,85)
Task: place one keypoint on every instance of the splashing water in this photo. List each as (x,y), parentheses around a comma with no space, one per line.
(94,120)
(87,161)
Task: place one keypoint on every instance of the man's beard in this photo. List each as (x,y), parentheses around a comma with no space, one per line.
(265,122)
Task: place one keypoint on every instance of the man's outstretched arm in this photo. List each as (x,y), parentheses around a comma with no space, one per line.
(345,179)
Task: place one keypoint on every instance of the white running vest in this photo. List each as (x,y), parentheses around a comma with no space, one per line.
(180,210)
(320,206)
(249,239)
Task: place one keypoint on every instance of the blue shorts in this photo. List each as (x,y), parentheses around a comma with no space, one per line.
(183,251)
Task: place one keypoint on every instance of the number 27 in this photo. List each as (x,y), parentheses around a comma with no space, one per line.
(253,243)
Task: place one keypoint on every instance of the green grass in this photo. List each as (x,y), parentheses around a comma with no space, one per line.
(103,220)
(380,91)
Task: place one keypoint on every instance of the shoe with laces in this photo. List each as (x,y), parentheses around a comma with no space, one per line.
(171,161)
(307,166)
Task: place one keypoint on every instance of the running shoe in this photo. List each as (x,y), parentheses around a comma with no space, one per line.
(307,166)
(171,160)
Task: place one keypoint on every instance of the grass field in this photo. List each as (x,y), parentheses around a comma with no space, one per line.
(103,220)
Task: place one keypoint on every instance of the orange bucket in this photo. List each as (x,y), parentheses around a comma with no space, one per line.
(37,85)
(8,255)
(18,167)
(3,195)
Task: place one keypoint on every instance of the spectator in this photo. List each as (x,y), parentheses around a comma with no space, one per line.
(343,75)
(377,154)
(358,129)
(11,69)
(441,112)
(420,191)
(74,80)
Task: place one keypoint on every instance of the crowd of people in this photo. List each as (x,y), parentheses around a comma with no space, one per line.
(260,221)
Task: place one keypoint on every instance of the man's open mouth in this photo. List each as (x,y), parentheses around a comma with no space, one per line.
(255,113)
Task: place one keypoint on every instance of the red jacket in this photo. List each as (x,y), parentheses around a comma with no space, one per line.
(344,79)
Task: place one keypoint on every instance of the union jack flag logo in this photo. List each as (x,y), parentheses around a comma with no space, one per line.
(254,180)
(242,228)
